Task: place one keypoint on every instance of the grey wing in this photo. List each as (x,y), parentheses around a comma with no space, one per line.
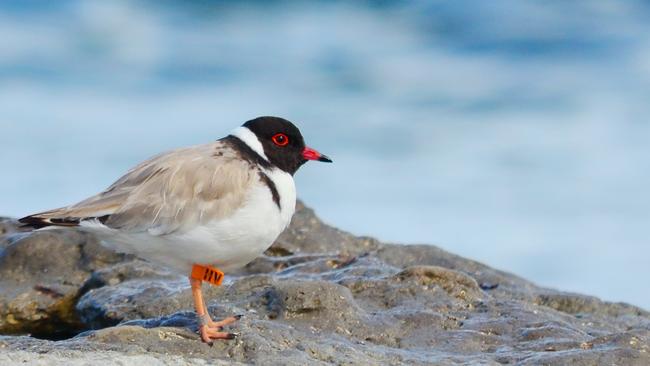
(167,193)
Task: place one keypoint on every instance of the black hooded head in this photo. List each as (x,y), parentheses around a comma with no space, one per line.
(282,142)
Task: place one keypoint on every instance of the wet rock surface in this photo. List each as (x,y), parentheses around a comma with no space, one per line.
(318,296)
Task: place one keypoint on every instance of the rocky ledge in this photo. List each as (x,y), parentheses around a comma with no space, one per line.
(318,296)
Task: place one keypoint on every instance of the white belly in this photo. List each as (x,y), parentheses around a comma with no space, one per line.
(228,243)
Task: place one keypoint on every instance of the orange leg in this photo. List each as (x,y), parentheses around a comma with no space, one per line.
(208,329)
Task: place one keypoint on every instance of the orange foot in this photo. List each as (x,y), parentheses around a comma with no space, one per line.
(211,330)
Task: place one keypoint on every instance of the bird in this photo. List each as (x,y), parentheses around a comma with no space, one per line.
(202,210)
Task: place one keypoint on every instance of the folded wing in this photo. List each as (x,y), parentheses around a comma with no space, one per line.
(165,194)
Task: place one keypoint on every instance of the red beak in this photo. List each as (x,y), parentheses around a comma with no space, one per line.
(311,154)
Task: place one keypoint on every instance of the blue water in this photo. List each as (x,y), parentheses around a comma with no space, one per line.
(512,132)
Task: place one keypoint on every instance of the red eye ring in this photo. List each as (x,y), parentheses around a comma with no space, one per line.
(280,139)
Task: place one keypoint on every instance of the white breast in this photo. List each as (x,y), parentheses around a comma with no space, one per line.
(286,187)
(228,243)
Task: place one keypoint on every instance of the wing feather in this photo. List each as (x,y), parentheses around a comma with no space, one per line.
(165,194)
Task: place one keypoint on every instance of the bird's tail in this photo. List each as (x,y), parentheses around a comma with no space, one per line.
(46,219)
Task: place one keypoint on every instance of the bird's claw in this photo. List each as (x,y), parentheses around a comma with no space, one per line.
(209,334)
(222,323)
(213,330)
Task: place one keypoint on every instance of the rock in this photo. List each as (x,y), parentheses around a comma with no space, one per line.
(41,276)
(308,234)
(7,226)
(318,296)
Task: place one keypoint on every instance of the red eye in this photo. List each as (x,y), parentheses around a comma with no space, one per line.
(280,139)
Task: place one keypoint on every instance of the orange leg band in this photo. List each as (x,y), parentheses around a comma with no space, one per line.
(207,274)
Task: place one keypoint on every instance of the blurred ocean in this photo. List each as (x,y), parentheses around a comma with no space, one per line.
(515,133)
